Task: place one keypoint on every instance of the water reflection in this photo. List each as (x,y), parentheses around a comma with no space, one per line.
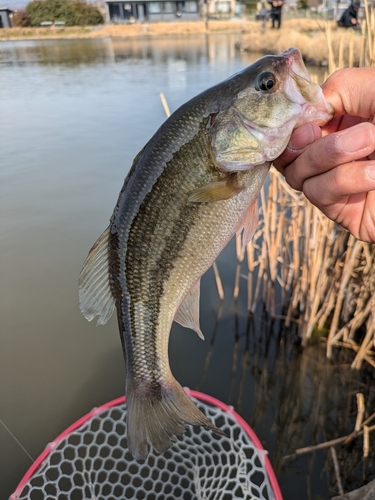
(50,52)
(94,51)
(74,115)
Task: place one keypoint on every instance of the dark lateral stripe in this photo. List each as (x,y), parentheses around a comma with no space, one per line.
(159,230)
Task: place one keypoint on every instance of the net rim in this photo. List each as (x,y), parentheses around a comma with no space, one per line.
(205,398)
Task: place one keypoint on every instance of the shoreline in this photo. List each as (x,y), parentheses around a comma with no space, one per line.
(309,35)
(166,29)
(162,28)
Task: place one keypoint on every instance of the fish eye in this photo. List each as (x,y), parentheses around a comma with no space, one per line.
(266,81)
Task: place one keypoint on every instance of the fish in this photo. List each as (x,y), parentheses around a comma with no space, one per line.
(191,188)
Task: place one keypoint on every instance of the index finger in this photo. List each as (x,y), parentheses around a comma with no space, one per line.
(332,150)
(351,91)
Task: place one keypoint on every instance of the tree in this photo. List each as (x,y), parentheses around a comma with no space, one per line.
(20,18)
(73,12)
(303,4)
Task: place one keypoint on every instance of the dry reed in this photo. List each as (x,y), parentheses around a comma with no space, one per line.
(324,278)
(311,37)
(327,277)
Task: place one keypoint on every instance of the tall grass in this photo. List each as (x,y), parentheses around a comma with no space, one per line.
(317,40)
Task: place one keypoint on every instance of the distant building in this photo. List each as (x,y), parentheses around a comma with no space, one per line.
(5,18)
(225,8)
(162,10)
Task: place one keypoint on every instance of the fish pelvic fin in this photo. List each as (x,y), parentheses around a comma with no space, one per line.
(95,296)
(188,312)
(158,412)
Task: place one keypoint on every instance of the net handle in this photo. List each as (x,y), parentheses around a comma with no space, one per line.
(205,398)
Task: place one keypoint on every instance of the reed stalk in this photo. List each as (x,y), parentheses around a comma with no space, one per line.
(240,251)
(337,470)
(326,444)
(360,412)
(165,104)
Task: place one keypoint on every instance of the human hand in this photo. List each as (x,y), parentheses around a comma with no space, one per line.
(334,166)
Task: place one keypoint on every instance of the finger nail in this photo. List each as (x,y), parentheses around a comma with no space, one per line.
(355,138)
(370,170)
(302,137)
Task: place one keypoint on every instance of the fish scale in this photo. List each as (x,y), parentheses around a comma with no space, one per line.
(191,188)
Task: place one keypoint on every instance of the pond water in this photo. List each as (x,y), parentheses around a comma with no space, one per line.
(74,114)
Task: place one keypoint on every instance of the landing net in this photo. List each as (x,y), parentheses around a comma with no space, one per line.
(90,460)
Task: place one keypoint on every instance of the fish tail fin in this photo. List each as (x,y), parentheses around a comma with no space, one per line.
(157,412)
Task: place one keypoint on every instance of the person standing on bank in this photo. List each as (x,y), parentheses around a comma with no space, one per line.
(276,10)
(349,18)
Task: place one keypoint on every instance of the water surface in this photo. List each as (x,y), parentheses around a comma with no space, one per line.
(73,116)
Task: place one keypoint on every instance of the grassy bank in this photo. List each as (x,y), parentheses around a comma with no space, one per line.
(312,37)
(131,30)
(309,35)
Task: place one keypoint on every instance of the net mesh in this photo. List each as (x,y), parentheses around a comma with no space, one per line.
(92,462)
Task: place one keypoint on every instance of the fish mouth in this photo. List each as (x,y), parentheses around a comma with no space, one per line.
(300,88)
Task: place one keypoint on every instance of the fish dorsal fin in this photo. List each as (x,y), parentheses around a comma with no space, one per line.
(95,296)
(216,191)
(188,313)
(249,223)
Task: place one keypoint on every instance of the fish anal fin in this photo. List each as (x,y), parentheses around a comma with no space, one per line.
(249,223)
(188,312)
(95,296)
(216,191)
(158,412)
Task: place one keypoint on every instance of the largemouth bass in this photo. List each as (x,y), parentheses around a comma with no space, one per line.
(190,189)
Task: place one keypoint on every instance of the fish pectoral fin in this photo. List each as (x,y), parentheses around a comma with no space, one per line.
(216,191)
(249,223)
(95,296)
(188,312)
